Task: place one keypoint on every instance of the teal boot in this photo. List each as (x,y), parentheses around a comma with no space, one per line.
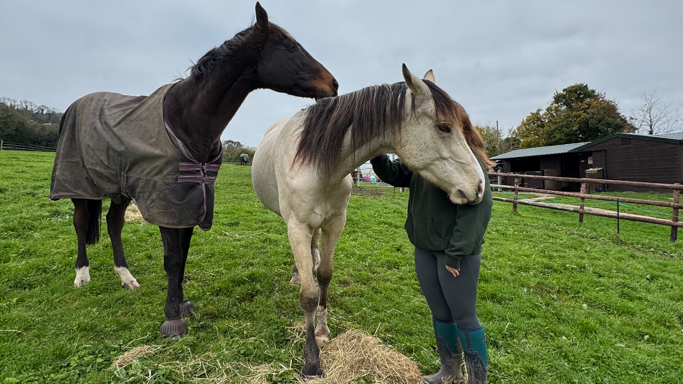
(476,357)
(450,353)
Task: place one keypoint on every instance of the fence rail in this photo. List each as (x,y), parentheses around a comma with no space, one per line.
(24,147)
(675,205)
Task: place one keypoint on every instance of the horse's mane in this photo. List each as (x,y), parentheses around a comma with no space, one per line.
(212,59)
(369,112)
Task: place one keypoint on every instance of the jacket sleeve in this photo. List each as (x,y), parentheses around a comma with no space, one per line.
(468,233)
(395,173)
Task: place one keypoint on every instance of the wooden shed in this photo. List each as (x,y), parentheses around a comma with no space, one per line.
(556,160)
(622,156)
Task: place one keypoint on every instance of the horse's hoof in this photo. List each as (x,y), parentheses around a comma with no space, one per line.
(174,328)
(322,339)
(186,308)
(131,285)
(306,378)
(127,280)
(311,372)
(295,280)
(82,277)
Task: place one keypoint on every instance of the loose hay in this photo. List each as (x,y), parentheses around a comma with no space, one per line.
(133,355)
(355,354)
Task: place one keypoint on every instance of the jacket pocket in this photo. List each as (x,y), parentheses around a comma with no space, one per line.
(434,235)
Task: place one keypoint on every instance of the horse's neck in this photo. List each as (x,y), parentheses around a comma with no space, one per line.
(352,158)
(199,110)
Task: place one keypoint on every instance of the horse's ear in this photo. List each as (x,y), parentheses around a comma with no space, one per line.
(261,16)
(429,76)
(413,82)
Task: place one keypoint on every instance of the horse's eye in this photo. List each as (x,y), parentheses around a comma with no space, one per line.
(292,47)
(444,127)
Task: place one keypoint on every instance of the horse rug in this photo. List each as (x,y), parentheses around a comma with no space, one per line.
(117,146)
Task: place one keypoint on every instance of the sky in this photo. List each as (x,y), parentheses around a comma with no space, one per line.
(500,59)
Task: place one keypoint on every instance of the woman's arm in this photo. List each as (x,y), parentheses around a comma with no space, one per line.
(395,173)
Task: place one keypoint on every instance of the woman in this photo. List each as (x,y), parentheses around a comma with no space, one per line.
(447,240)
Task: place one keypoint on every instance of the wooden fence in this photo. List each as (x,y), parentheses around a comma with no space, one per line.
(24,147)
(675,205)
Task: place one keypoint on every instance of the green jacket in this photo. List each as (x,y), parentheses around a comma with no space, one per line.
(434,223)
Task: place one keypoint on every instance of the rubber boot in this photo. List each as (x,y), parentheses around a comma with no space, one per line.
(450,353)
(476,356)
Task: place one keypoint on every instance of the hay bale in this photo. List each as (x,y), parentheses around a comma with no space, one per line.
(355,354)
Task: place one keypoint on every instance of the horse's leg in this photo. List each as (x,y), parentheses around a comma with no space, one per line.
(115,221)
(86,222)
(174,326)
(300,237)
(186,307)
(315,253)
(331,234)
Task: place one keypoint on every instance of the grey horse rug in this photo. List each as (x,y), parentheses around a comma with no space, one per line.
(116,146)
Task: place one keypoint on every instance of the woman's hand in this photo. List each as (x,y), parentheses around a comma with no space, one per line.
(453,271)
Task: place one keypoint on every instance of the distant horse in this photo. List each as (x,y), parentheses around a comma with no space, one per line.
(244,159)
(164,150)
(301,171)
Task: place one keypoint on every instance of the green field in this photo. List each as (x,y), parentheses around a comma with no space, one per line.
(562,302)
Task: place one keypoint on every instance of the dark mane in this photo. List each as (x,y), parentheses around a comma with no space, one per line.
(368,112)
(213,58)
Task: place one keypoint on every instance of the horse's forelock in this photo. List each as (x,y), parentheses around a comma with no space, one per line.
(451,111)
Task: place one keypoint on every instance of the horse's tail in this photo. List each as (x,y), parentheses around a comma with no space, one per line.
(94,209)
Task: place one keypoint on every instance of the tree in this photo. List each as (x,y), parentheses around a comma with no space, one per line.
(496,143)
(654,116)
(577,114)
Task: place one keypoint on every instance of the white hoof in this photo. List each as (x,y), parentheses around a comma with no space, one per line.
(295,280)
(82,277)
(127,280)
(322,339)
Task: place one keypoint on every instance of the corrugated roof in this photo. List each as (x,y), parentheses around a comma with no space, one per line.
(674,136)
(671,138)
(539,151)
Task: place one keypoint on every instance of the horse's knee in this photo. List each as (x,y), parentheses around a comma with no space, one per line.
(309,301)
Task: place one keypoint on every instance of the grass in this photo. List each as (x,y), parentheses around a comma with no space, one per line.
(562,302)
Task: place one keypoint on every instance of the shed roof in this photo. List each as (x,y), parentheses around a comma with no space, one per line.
(539,151)
(671,138)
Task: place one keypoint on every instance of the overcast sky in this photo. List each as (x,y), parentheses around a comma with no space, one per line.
(500,59)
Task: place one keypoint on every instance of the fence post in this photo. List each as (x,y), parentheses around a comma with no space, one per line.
(617,216)
(674,218)
(584,190)
(1,143)
(514,205)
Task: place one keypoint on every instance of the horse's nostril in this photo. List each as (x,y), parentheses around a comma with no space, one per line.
(335,84)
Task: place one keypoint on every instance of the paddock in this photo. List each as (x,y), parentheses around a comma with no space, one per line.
(562,301)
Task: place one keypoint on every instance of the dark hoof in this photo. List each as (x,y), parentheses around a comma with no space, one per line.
(311,373)
(306,378)
(186,308)
(174,328)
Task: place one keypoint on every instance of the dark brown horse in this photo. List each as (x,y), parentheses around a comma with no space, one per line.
(102,137)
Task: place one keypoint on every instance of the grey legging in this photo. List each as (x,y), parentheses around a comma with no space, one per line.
(449,298)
